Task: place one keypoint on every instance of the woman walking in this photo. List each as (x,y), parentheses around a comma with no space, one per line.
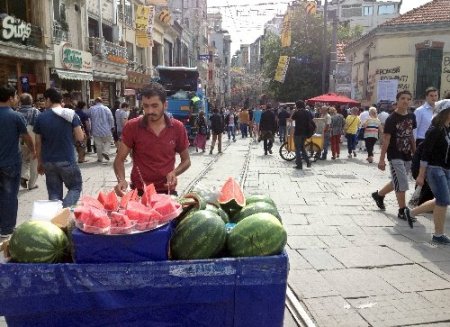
(202,131)
(372,128)
(337,129)
(435,166)
(351,127)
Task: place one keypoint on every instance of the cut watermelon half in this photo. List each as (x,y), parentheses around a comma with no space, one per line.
(102,198)
(231,196)
(141,213)
(82,214)
(121,224)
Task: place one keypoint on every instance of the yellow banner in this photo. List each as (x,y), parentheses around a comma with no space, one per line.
(142,39)
(142,14)
(280,73)
(286,30)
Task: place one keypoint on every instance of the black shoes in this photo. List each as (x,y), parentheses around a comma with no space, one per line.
(106,156)
(379,200)
(405,214)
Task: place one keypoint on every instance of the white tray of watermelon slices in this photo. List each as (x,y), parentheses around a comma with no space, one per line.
(109,215)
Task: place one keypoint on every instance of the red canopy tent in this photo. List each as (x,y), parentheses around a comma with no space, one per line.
(333,99)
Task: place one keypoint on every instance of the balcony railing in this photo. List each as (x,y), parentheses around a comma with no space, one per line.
(60,34)
(128,20)
(102,48)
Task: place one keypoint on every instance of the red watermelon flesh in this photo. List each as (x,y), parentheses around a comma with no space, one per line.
(127,197)
(98,218)
(82,213)
(89,201)
(139,212)
(231,196)
(112,204)
(120,220)
(149,191)
(165,207)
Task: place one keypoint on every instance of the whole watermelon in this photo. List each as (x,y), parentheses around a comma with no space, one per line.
(219,211)
(256,207)
(260,198)
(38,242)
(257,235)
(201,235)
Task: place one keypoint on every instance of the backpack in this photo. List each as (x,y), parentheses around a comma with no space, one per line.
(311,128)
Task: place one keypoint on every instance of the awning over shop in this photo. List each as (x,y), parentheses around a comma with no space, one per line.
(77,76)
(109,76)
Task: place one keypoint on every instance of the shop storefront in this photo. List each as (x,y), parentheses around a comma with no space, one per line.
(72,70)
(22,60)
(133,84)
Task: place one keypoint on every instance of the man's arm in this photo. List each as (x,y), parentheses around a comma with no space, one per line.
(119,169)
(386,141)
(78,133)
(418,114)
(38,146)
(26,138)
(184,164)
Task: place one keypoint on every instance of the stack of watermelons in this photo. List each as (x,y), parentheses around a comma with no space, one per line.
(203,230)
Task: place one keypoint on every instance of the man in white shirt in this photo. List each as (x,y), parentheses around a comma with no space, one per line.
(382,116)
(364,116)
(102,124)
(424,114)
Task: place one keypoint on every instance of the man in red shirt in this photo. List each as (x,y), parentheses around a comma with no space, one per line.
(154,140)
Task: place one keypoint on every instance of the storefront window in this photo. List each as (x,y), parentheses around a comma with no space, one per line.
(14,8)
(429,70)
(386,9)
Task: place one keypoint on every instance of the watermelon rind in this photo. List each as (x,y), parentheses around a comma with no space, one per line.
(231,197)
(260,234)
(201,236)
(201,203)
(38,242)
(255,207)
(260,198)
(219,211)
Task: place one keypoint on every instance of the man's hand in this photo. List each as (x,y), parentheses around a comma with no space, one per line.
(381,165)
(40,169)
(171,180)
(121,188)
(420,180)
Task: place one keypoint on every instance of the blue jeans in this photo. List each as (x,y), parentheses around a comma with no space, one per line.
(351,142)
(326,145)
(244,129)
(9,188)
(300,152)
(439,180)
(66,172)
(282,132)
(230,131)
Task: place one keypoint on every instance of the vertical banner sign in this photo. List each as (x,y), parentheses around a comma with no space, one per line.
(286,30)
(142,15)
(280,73)
(151,22)
(343,78)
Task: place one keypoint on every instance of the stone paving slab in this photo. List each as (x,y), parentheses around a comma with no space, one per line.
(296,261)
(368,256)
(399,310)
(293,219)
(309,283)
(354,283)
(437,297)
(320,259)
(337,241)
(305,242)
(421,252)
(330,220)
(439,268)
(372,220)
(334,311)
(312,230)
(350,230)
(412,278)
(378,239)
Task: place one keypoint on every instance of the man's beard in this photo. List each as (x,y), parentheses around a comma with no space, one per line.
(152,117)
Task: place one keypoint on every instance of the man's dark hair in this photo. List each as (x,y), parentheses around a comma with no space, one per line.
(81,104)
(6,92)
(399,94)
(124,105)
(53,95)
(300,104)
(26,99)
(154,89)
(429,90)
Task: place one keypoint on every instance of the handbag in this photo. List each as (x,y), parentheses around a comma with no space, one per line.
(203,130)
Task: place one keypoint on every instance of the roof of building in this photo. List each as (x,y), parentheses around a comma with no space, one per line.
(431,12)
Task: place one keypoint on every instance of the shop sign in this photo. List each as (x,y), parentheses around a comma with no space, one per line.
(73,59)
(137,80)
(15,28)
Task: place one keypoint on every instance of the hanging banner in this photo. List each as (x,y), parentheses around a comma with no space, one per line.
(162,3)
(151,23)
(286,30)
(343,78)
(280,73)
(142,15)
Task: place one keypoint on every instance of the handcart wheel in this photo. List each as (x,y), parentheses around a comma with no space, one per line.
(285,153)
(313,150)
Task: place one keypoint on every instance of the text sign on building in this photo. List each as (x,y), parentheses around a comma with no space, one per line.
(15,28)
(387,90)
(72,59)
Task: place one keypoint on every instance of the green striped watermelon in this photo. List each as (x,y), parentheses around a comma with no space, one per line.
(38,242)
(257,235)
(256,207)
(201,235)
(219,211)
(260,198)
(231,197)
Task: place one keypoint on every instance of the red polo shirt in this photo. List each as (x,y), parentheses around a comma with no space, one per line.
(154,155)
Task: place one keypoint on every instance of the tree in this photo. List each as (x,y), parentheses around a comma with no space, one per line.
(347,34)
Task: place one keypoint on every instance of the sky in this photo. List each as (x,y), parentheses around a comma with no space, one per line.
(244,19)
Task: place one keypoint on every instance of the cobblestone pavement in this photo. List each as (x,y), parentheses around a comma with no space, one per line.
(350,264)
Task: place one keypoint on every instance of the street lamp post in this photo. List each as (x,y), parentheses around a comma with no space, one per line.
(324,46)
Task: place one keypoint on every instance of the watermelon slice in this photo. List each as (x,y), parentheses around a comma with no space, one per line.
(159,197)
(89,201)
(98,218)
(112,204)
(127,197)
(148,193)
(102,198)
(141,213)
(120,224)
(82,213)
(231,197)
